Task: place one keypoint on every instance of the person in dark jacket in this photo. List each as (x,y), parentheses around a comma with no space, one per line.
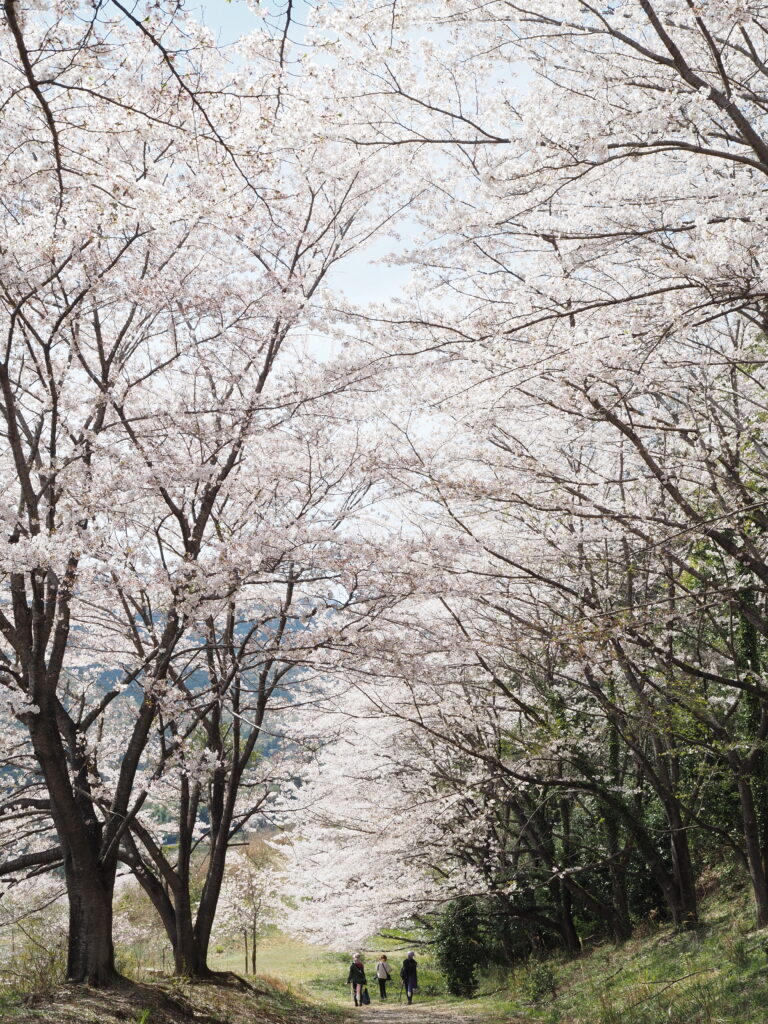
(356,978)
(408,974)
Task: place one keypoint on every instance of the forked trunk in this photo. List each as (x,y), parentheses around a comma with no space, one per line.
(190,960)
(189,954)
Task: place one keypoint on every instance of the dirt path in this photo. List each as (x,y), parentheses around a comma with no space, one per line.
(401,1013)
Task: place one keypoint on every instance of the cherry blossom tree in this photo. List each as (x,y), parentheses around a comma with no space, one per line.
(162,264)
(249,902)
(506,531)
(588,316)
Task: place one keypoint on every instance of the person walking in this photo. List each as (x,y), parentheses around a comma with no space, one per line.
(408,974)
(382,973)
(356,978)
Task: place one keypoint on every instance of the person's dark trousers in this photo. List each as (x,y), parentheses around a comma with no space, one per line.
(409,987)
(383,988)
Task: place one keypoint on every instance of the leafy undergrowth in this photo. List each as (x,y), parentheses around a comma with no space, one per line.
(717,974)
(168,1001)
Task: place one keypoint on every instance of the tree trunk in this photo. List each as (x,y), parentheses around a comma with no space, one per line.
(91,953)
(190,958)
(682,869)
(571,939)
(90,884)
(753,850)
(568,928)
(754,797)
(206,911)
(678,903)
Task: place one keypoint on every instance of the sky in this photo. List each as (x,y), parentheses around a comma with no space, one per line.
(361,278)
(230,19)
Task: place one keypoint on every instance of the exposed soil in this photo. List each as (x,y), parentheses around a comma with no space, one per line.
(393,1012)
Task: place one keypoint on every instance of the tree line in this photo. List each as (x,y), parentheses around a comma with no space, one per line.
(502,536)
(575,678)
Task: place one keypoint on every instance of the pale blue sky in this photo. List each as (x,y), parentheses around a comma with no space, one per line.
(233,18)
(229,20)
(360,278)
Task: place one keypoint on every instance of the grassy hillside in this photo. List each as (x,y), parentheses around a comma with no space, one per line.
(171,1002)
(715,975)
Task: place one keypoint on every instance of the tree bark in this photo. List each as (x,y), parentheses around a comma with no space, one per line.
(90,953)
(753,850)
(682,869)
(90,883)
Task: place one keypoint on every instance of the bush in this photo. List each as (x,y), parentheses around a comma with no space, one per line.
(37,966)
(539,981)
(458,946)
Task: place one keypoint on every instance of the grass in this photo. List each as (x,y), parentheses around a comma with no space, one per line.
(318,973)
(172,1002)
(717,974)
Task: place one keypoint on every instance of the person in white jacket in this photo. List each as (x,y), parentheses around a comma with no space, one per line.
(382,973)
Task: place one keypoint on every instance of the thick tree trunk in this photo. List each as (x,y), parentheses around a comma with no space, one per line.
(90,884)
(189,957)
(91,954)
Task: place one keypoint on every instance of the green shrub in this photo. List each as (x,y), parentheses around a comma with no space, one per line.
(458,947)
(539,981)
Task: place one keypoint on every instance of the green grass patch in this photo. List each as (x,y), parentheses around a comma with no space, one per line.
(317,973)
(717,974)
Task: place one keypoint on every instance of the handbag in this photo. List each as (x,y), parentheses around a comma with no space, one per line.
(365,998)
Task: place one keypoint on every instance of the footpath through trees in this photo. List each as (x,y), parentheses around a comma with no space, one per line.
(400,1013)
